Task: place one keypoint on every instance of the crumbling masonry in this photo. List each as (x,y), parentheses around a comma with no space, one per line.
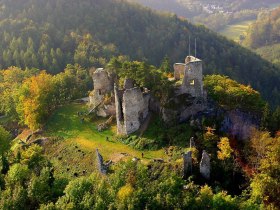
(130,104)
(103,87)
(191,75)
(189,97)
(132,108)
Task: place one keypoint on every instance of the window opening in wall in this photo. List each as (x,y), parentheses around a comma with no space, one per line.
(192,82)
(99,92)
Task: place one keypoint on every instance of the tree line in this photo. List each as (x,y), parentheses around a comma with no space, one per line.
(30,96)
(38,34)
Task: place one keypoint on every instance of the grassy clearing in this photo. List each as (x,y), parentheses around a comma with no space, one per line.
(66,123)
(235,30)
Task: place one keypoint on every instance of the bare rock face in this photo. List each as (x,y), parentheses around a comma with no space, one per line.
(187,160)
(181,107)
(101,166)
(205,167)
(239,124)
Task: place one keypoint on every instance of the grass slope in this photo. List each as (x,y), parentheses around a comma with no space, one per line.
(80,139)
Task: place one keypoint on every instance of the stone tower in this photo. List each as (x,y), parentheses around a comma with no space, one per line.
(191,76)
(103,84)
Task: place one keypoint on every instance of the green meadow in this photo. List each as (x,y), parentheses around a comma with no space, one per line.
(235,30)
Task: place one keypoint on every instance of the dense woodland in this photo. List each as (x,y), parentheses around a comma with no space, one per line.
(263,36)
(39,34)
(30,184)
(265,31)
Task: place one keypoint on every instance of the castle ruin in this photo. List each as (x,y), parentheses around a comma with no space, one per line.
(132,108)
(100,97)
(131,104)
(190,74)
(189,96)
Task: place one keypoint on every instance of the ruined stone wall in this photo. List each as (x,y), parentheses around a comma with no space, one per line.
(102,84)
(135,109)
(102,80)
(179,69)
(205,165)
(101,98)
(132,108)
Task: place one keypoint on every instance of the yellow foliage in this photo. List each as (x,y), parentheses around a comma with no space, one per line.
(125,192)
(35,100)
(205,194)
(225,149)
(206,191)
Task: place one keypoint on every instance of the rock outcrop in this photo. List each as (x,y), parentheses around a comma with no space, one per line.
(238,124)
(187,164)
(132,108)
(100,164)
(205,166)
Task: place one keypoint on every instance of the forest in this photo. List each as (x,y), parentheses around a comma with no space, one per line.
(37,34)
(265,31)
(263,36)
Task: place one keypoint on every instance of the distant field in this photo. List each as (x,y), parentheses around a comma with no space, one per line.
(235,30)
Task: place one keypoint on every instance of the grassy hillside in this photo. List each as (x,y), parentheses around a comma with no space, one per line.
(49,34)
(79,139)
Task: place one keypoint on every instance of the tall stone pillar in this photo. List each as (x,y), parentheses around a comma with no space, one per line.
(205,167)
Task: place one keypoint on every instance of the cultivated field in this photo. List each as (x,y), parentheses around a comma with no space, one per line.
(235,30)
